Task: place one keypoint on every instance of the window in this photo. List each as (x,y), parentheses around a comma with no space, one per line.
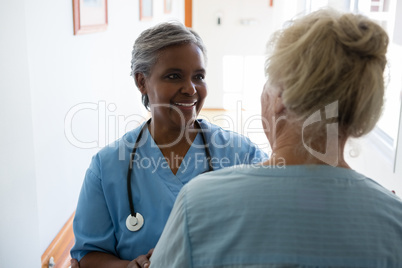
(243,81)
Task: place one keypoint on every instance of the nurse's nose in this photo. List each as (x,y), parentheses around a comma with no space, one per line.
(189,88)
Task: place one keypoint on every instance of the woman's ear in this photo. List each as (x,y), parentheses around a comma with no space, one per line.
(279,106)
(140,82)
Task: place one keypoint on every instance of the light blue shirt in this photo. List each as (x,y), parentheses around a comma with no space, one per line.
(103,206)
(298,216)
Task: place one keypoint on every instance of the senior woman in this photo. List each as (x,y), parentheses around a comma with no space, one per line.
(304,207)
(131,185)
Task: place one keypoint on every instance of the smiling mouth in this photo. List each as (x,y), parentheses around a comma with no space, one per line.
(185,104)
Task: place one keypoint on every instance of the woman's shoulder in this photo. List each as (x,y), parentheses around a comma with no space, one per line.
(224,175)
(333,181)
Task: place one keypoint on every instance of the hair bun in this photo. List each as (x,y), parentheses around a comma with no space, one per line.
(361,37)
(328,57)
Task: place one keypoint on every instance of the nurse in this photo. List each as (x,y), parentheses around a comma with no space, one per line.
(131,185)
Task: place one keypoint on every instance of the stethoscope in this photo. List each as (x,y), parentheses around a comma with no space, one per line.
(135,220)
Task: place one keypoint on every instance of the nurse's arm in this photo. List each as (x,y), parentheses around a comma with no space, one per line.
(101,259)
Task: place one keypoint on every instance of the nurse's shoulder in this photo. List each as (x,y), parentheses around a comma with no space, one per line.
(116,153)
(226,143)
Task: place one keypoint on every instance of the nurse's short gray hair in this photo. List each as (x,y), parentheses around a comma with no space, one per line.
(151,41)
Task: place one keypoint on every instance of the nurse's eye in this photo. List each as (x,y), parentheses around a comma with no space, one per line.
(173,76)
(200,77)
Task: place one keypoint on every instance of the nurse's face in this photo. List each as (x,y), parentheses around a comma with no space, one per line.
(176,87)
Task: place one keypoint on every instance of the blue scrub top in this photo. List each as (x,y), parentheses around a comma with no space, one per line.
(103,206)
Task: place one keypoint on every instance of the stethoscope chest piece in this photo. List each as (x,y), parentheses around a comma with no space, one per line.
(134,223)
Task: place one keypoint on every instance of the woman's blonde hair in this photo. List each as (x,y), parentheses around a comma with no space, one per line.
(328,57)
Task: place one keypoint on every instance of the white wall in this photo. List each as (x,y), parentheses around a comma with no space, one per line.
(46,72)
(18,199)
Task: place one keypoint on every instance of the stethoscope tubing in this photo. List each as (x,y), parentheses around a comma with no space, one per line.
(130,168)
